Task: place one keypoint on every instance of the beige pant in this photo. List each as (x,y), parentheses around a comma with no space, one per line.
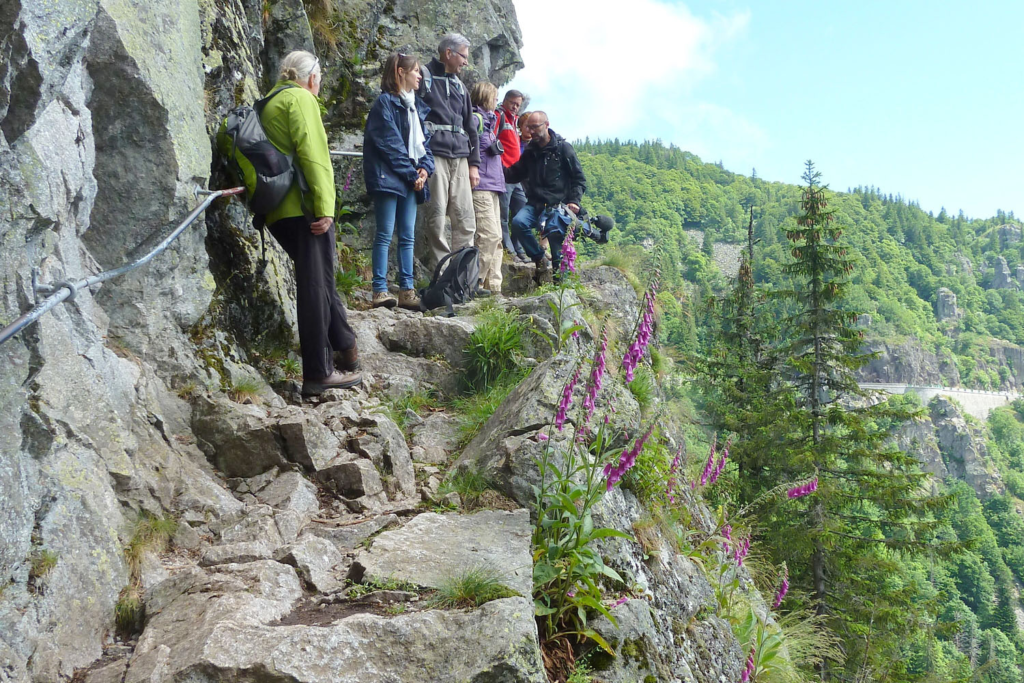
(488,238)
(451,195)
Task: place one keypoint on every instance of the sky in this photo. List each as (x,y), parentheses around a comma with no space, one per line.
(924,99)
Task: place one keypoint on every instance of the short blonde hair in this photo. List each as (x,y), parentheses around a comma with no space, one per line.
(298,66)
(484,95)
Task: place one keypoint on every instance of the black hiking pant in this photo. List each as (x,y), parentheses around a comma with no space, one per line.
(323,325)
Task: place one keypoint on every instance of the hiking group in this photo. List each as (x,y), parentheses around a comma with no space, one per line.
(432,149)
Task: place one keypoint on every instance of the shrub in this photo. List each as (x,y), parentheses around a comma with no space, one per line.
(494,350)
(348,281)
(648,479)
(471,588)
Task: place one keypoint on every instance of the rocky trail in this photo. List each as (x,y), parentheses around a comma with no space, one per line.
(320,536)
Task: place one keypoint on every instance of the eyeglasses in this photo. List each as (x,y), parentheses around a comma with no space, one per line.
(536,126)
(465,57)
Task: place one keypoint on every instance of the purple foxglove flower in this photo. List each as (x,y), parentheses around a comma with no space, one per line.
(571,593)
(541,436)
(803,489)
(566,401)
(596,372)
(749,670)
(709,466)
(348,182)
(568,253)
(783,588)
(620,601)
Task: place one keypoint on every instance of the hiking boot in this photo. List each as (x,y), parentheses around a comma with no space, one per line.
(407,299)
(336,380)
(481,293)
(543,269)
(522,257)
(384,299)
(348,361)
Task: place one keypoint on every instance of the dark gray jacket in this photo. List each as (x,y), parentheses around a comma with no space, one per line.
(448,99)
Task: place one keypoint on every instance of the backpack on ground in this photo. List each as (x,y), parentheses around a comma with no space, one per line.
(266,171)
(455,284)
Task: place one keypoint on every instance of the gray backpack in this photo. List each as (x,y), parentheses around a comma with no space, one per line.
(267,172)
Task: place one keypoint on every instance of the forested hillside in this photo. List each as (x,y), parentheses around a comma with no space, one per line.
(903,255)
(917,575)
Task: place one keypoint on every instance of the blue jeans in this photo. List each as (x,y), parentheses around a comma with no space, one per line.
(389,209)
(524,227)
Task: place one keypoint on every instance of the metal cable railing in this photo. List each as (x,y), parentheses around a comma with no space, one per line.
(67,290)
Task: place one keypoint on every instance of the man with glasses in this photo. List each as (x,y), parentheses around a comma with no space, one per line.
(456,149)
(553,176)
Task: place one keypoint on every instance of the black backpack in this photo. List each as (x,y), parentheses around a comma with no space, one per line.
(457,284)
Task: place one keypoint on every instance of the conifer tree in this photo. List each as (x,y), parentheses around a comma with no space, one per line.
(845,541)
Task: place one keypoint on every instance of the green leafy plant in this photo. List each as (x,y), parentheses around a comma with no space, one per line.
(348,281)
(291,367)
(494,350)
(580,673)
(788,650)
(648,479)
(471,588)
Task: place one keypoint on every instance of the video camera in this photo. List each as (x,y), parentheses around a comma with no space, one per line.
(595,228)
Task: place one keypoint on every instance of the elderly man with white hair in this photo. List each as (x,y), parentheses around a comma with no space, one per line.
(455,145)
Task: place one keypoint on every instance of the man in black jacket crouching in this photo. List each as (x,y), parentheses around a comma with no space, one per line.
(551,174)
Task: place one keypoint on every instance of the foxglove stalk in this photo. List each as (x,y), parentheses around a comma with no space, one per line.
(710,464)
(348,182)
(568,253)
(727,535)
(643,334)
(740,551)
(803,489)
(614,473)
(566,401)
(783,587)
(749,670)
(673,470)
(721,464)
(596,373)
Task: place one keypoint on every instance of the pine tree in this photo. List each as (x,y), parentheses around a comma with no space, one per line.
(846,539)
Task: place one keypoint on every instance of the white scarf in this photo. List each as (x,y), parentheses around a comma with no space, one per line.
(416,141)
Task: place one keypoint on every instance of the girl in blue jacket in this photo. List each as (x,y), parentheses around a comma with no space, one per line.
(396,164)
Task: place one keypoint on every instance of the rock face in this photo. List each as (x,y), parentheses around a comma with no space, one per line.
(908,363)
(1009,234)
(945,305)
(1002,279)
(963,449)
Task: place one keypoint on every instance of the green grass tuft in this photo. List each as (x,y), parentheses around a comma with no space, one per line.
(149,534)
(129,611)
(643,387)
(41,563)
(469,484)
(471,588)
(474,410)
(494,352)
(245,390)
(416,401)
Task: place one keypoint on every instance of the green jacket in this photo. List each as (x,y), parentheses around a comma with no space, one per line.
(292,123)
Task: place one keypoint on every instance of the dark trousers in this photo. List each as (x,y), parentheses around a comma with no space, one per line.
(510,203)
(323,326)
(524,227)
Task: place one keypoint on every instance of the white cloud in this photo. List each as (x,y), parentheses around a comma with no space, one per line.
(627,69)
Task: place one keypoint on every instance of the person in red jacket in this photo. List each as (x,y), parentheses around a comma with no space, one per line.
(508,135)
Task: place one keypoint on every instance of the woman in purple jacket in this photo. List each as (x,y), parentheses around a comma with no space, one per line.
(487,195)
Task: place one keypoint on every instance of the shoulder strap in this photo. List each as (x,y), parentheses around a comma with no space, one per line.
(479,122)
(259,104)
(439,268)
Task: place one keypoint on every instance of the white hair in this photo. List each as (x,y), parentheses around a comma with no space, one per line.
(452,41)
(299,65)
